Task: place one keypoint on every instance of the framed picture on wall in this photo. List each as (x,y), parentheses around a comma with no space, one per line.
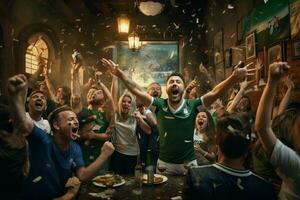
(154,62)
(250,46)
(294,18)
(296,48)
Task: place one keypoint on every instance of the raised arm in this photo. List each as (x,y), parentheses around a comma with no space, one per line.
(134,88)
(114,90)
(107,95)
(264,111)
(87,173)
(237,75)
(189,88)
(49,85)
(141,122)
(17,90)
(75,89)
(232,107)
(285,100)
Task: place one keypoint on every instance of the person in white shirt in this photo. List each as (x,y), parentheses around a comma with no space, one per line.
(285,160)
(37,104)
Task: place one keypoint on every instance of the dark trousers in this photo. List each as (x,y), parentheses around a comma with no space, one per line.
(122,164)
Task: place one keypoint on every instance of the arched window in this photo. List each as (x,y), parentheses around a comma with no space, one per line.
(37,45)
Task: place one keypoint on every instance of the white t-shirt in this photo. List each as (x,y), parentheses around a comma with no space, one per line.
(42,124)
(287,164)
(124,136)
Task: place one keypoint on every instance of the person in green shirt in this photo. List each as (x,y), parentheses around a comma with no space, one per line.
(102,121)
(176,115)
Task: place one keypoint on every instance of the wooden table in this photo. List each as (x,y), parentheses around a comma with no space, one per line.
(173,187)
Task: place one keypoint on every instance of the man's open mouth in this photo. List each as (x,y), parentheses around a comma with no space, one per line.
(74,130)
(39,104)
(74,134)
(175,91)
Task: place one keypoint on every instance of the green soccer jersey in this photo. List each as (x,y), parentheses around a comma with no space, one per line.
(176,130)
(91,148)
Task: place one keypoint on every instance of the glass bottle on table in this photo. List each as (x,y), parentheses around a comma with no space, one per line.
(138,177)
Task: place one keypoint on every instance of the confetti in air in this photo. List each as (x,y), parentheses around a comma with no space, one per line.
(37,179)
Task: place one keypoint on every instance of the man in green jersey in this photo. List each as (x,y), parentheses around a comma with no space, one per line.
(176,115)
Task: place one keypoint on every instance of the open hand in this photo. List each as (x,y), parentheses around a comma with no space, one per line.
(241,73)
(111,66)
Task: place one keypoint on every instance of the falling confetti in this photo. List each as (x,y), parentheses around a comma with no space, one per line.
(176,26)
(45,20)
(77,20)
(153,25)
(224,11)
(37,179)
(15,40)
(89,52)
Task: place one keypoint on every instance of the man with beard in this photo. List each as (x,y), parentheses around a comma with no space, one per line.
(37,104)
(176,115)
(154,89)
(52,159)
(96,98)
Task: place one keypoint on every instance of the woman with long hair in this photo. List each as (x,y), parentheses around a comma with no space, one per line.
(204,138)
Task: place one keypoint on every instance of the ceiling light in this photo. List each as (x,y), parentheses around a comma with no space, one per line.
(123,24)
(151,8)
(134,41)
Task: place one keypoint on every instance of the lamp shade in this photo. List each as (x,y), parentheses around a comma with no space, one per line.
(134,41)
(123,24)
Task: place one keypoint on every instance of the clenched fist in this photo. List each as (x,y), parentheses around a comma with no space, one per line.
(278,70)
(107,149)
(17,84)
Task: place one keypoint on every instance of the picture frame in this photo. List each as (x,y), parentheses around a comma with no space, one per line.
(294,18)
(154,62)
(295,44)
(250,46)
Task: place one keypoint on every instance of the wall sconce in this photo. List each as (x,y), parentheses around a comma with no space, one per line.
(134,41)
(123,24)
